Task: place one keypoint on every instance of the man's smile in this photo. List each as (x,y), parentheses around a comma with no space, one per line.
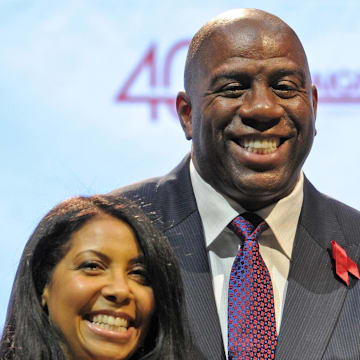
(260,145)
(258,152)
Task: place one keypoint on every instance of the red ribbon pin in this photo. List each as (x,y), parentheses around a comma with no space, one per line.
(344,265)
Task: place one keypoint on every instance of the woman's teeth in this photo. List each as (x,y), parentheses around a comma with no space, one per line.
(260,146)
(110,322)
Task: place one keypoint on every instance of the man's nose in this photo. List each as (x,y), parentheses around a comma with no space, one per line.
(117,289)
(260,108)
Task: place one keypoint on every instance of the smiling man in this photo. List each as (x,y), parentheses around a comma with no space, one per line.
(249,107)
(252,235)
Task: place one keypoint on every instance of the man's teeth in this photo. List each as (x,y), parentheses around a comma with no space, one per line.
(110,322)
(260,146)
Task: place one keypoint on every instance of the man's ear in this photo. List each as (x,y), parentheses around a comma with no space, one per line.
(315,101)
(183,108)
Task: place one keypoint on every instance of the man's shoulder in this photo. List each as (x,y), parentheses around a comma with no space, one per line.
(144,188)
(336,206)
(345,214)
(152,195)
(169,197)
(153,188)
(320,208)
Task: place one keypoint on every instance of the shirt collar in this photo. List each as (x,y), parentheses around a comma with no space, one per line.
(216,212)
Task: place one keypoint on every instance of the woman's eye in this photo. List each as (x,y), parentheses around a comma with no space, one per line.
(92,266)
(140,274)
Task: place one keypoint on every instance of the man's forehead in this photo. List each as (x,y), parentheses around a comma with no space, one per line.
(245,33)
(248,17)
(254,39)
(249,39)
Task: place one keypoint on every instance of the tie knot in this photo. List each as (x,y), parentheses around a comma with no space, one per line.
(249,226)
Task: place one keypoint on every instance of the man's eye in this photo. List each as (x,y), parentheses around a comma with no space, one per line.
(233,90)
(285,89)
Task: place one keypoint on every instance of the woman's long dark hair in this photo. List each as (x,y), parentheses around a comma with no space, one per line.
(28,333)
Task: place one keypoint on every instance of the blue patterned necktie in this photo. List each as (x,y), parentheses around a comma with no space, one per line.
(251,314)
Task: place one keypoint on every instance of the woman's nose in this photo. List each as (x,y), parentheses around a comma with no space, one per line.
(117,289)
(260,108)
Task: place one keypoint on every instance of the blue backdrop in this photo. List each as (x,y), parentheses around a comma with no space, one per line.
(87,99)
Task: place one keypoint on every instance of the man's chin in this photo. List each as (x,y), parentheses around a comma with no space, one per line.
(254,195)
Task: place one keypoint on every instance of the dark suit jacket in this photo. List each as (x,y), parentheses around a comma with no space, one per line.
(321,318)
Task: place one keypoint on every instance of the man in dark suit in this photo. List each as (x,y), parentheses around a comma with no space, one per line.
(249,108)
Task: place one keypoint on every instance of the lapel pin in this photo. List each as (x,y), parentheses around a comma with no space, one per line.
(343,264)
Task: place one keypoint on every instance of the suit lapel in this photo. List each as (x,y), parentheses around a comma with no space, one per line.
(183,227)
(188,244)
(315,295)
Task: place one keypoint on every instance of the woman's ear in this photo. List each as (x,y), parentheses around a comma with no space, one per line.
(44,297)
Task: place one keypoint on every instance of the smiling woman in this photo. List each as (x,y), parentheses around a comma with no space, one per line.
(96,280)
